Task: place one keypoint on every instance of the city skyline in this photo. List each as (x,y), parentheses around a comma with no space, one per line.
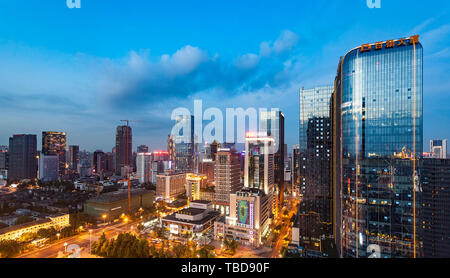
(97,78)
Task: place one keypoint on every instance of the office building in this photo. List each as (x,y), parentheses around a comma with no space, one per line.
(272,124)
(314,159)
(144,165)
(206,167)
(74,157)
(54,143)
(124,148)
(438,148)
(185,146)
(249,218)
(22,157)
(171,149)
(48,167)
(142,149)
(377,141)
(4,158)
(227,178)
(169,186)
(194,184)
(435,180)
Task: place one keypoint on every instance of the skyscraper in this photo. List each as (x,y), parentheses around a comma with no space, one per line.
(22,157)
(48,167)
(377,140)
(227,178)
(438,148)
(74,157)
(142,149)
(144,166)
(185,146)
(54,143)
(272,123)
(259,169)
(314,158)
(124,154)
(435,180)
(171,149)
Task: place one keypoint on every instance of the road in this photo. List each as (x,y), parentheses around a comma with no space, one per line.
(82,240)
(286,228)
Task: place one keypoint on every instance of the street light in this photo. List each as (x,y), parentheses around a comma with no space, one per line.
(65,247)
(104,218)
(58,235)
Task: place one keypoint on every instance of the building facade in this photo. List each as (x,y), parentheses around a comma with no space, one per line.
(438,148)
(124,147)
(54,143)
(377,141)
(74,157)
(48,168)
(170,185)
(227,178)
(22,157)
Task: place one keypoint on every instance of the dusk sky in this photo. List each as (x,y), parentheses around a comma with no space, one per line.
(83,70)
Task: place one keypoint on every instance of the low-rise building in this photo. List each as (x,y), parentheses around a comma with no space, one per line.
(15,232)
(115,203)
(197,219)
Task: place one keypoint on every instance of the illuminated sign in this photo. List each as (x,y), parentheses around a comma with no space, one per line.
(244,213)
(390,43)
(174,229)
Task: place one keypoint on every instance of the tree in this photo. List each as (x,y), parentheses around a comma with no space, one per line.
(9,248)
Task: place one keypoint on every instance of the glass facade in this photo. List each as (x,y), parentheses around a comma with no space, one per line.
(314,164)
(381,129)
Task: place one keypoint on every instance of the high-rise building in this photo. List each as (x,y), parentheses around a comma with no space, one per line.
(194,184)
(22,157)
(272,124)
(4,158)
(206,167)
(377,141)
(98,165)
(227,178)
(124,154)
(74,157)
(435,180)
(48,167)
(314,159)
(144,165)
(249,217)
(259,169)
(296,170)
(438,148)
(54,143)
(170,185)
(185,146)
(214,146)
(171,149)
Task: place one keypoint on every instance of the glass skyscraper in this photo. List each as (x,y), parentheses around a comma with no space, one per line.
(377,141)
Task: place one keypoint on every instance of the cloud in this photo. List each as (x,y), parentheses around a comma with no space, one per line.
(286,41)
(141,81)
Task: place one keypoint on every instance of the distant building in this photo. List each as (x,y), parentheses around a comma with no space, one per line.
(22,157)
(144,164)
(48,167)
(74,157)
(124,153)
(227,178)
(249,218)
(185,146)
(142,149)
(170,185)
(171,149)
(206,167)
(4,158)
(54,143)
(438,148)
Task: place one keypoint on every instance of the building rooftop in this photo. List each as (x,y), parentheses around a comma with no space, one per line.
(209,216)
(23,226)
(118,195)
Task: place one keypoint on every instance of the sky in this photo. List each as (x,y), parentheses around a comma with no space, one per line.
(83,70)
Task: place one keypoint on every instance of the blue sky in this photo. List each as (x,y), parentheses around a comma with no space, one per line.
(83,70)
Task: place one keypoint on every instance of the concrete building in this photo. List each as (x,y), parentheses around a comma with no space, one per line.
(143,164)
(197,219)
(15,232)
(115,203)
(48,167)
(227,178)
(170,185)
(194,184)
(249,218)
(438,148)
(22,157)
